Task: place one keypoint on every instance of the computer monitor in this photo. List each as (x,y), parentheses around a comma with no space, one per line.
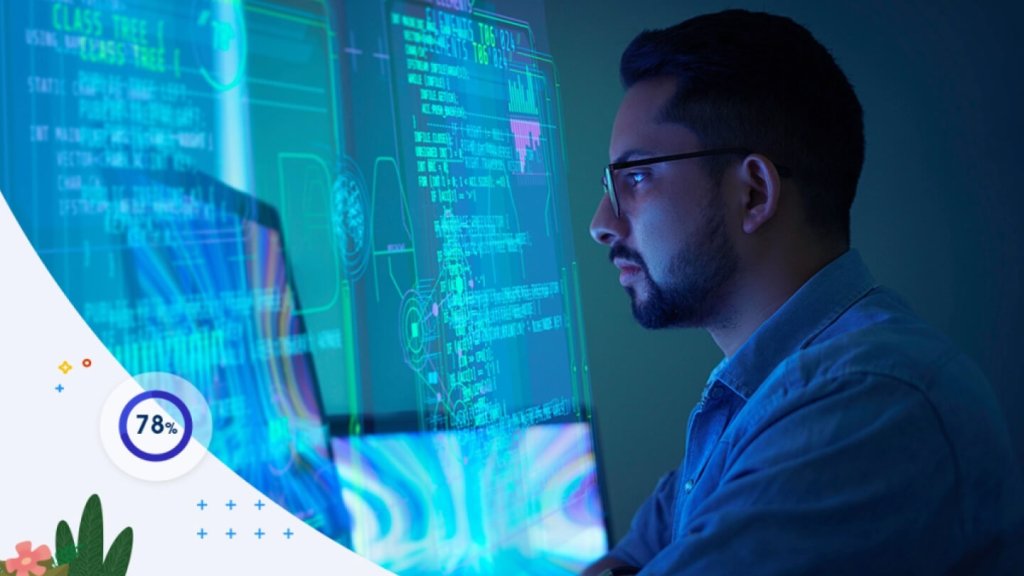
(215,305)
(473,503)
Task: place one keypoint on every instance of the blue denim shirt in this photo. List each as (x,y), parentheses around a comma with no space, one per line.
(844,437)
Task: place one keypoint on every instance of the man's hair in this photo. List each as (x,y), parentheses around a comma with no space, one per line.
(762,82)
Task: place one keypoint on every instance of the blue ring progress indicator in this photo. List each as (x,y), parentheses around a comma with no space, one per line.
(156,425)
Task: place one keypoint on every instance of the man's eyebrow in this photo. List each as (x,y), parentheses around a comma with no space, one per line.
(633,154)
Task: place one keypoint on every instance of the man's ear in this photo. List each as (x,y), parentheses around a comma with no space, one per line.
(761,190)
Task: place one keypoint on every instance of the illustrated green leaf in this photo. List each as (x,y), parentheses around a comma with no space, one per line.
(58,571)
(66,551)
(120,553)
(90,540)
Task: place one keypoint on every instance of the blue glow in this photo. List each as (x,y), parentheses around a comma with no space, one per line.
(218,286)
(468,503)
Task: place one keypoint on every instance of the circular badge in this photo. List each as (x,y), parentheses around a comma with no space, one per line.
(156,426)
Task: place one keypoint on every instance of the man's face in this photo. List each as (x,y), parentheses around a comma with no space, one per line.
(669,241)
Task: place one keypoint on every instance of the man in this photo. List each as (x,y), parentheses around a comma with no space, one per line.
(840,434)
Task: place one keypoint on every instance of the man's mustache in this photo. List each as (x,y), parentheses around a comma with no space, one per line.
(627,253)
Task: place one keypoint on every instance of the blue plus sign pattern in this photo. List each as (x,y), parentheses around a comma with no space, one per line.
(259,533)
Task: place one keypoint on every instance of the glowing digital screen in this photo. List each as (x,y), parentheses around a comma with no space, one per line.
(446,503)
(212,302)
(329,216)
(468,265)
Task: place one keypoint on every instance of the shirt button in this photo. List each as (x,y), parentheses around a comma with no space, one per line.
(688,487)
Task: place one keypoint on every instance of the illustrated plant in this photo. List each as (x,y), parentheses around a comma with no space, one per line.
(84,559)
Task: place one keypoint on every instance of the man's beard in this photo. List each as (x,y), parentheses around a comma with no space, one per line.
(691,295)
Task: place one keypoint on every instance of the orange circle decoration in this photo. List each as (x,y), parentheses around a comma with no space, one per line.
(87,362)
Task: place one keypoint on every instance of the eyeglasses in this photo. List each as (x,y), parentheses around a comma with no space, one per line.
(609,172)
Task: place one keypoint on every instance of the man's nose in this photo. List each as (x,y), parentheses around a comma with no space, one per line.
(605,227)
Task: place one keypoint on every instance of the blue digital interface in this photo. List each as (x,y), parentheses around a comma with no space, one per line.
(445,503)
(334,218)
(213,301)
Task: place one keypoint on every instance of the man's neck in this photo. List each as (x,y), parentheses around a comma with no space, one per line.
(762,290)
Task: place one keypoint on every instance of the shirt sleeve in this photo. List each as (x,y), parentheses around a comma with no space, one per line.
(651,529)
(859,480)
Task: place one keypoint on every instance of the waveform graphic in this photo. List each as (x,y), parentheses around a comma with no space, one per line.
(527,139)
(522,99)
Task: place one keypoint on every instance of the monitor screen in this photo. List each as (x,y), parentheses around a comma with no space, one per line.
(213,303)
(470,504)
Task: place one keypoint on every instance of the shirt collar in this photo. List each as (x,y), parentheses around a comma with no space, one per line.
(811,309)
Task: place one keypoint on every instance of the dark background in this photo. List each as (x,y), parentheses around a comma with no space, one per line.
(936,215)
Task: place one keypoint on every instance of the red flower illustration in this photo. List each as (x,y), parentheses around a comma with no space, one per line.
(28,560)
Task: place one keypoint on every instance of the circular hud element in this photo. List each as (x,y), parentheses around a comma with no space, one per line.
(348,216)
(219,42)
(417,328)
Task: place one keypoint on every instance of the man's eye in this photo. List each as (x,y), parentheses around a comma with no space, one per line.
(634,178)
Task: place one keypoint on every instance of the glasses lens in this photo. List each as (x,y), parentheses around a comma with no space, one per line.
(609,189)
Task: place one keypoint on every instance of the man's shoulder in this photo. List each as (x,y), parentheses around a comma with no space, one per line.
(880,338)
(898,358)
(882,359)
(885,362)
(875,351)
